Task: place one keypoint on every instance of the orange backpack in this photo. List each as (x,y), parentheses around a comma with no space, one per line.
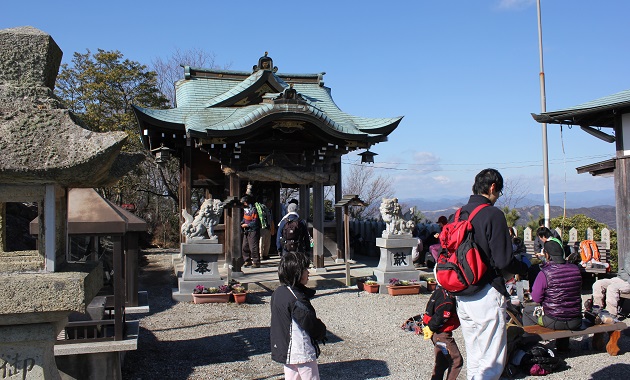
(589,251)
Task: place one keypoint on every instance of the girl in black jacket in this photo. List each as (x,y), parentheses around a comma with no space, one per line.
(295,328)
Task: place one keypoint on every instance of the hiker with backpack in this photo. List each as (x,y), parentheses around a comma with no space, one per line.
(439,320)
(267,227)
(481,294)
(251,233)
(293,233)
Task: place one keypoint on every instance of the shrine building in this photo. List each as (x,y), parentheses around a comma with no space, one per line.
(259,127)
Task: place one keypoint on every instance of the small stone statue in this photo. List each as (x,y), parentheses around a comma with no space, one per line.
(395,222)
(202,226)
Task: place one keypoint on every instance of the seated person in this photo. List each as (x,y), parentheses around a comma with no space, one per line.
(538,241)
(558,291)
(543,234)
(433,243)
(518,247)
(606,293)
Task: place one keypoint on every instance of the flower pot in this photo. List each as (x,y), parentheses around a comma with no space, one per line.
(360,285)
(240,297)
(431,286)
(211,298)
(399,290)
(371,288)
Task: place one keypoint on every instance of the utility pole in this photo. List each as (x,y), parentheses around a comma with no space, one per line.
(543,107)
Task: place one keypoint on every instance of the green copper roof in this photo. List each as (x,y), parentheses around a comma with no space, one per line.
(599,112)
(229,103)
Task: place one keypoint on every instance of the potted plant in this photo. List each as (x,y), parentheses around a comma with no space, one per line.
(371,286)
(398,287)
(238,292)
(431,284)
(212,294)
(361,281)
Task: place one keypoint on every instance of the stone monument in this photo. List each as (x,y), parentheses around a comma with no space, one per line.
(44,152)
(396,244)
(201,251)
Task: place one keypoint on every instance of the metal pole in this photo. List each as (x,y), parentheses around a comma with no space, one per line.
(543,107)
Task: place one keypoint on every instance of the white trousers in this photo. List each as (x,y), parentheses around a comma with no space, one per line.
(304,371)
(609,289)
(482,316)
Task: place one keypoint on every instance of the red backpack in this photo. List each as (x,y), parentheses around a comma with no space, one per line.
(460,264)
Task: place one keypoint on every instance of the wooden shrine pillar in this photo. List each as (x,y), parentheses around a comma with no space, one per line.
(233,251)
(305,200)
(131,268)
(185,183)
(318,225)
(277,215)
(622,194)
(119,286)
(339,223)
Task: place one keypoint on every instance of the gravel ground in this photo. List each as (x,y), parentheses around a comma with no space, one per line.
(229,341)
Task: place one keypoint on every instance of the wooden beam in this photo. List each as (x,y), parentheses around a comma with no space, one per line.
(119,287)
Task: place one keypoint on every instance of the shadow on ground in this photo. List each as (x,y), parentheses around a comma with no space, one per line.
(354,370)
(176,360)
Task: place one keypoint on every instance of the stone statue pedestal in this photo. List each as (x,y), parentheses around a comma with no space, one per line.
(395,259)
(27,350)
(201,267)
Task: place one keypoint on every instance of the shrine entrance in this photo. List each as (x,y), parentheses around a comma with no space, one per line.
(270,130)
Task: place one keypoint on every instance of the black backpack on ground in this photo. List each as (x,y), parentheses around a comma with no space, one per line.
(293,235)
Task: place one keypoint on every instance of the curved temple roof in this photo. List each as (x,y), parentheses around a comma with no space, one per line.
(221,103)
(598,113)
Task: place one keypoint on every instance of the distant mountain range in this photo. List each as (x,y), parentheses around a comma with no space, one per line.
(599,205)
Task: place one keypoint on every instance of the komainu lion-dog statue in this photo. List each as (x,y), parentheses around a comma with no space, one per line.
(395,222)
(202,226)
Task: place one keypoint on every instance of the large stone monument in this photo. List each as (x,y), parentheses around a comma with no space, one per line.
(201,251)
(44,152)
(396,244)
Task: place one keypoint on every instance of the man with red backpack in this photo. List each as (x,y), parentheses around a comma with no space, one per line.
(482,306)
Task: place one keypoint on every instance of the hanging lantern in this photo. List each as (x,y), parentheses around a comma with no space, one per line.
(367,157)
(162,154)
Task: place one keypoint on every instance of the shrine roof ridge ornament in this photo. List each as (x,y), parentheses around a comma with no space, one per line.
(230,106)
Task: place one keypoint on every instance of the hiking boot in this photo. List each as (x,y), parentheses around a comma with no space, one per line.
(247,264)
(256,265)
(588,305)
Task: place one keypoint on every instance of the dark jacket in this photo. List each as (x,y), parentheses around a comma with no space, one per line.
(441,312)
(562,300)
(304,241)
(284,308)
(493,240)
(250,217)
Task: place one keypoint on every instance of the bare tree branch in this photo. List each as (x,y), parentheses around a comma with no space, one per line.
(371,188)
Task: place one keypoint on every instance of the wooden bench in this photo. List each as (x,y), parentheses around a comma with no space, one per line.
(574,242)
(598,331)
(575,248)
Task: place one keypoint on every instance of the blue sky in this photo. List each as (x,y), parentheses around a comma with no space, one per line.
(464,74)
